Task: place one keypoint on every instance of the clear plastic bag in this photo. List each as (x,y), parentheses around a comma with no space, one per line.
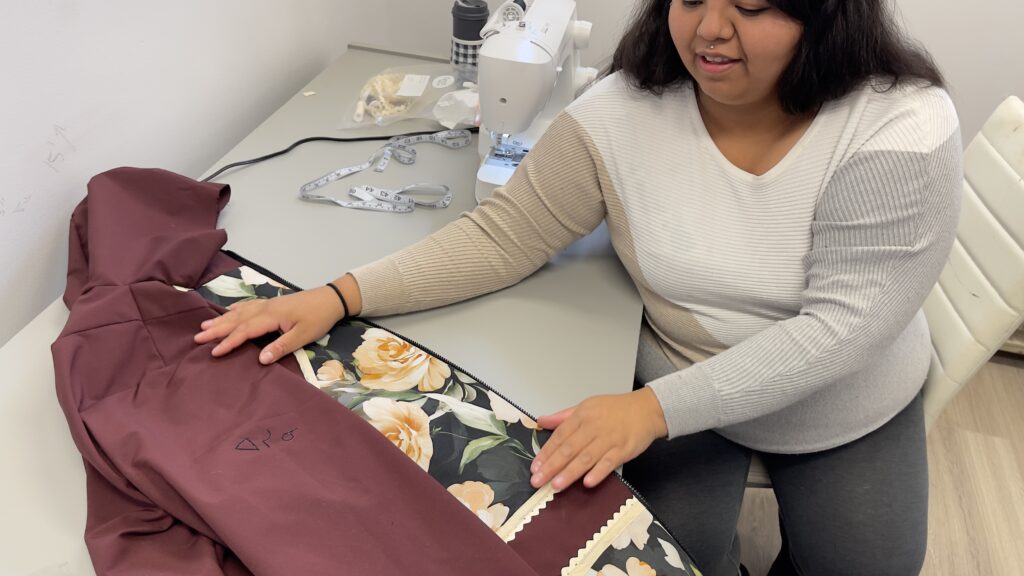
(403,93)
(459,109)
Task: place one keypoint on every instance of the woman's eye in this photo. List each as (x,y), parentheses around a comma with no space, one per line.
(750,11)
(692,3)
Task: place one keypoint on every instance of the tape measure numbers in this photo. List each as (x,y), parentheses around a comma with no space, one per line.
(401,200)
(400,149)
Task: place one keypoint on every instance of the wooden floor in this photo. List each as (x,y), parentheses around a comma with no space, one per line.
(976,468)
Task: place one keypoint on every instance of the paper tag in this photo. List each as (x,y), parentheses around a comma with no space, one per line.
(413,85)
(442,82)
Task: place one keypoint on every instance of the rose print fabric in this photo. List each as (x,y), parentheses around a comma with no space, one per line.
(472,440)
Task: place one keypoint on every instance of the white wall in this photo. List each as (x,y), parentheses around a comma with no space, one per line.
(91,85)
(980,48)
(425,26)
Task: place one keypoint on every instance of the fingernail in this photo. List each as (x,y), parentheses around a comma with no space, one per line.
(557,483)
(537,480)
(206,324)
(535,466)
(266,357)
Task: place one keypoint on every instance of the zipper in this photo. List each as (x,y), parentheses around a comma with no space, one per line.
(626,483)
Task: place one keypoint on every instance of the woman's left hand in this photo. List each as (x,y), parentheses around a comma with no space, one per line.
(597,436)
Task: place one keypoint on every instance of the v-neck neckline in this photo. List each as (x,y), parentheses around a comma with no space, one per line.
(739,173)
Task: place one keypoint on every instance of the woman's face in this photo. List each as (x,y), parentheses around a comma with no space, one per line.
(752,41)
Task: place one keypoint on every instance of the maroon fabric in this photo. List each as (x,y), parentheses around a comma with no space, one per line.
(568,522)
(224,467)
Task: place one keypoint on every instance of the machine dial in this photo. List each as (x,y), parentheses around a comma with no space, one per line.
(511,12)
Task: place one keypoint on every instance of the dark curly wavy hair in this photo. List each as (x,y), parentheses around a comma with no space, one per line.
(844,44)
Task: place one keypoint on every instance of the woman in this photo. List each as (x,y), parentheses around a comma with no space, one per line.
(781,181)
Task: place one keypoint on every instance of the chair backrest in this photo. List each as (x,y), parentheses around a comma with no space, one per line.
(979,300)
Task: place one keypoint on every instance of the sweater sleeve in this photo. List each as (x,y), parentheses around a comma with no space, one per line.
(882,230)
(553,199)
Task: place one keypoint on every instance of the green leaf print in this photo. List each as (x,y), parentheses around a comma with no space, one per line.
(478,447)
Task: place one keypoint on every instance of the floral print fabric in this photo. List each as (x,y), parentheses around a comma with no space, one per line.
(475,443)
(466,436)
(644,548)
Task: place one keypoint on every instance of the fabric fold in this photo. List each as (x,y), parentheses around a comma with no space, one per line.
(222,466)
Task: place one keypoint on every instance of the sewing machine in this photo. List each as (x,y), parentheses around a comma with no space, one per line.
(528,72)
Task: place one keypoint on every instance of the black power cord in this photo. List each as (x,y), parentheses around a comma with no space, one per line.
(314,139)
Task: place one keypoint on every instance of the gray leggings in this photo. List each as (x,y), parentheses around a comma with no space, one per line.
(861,508)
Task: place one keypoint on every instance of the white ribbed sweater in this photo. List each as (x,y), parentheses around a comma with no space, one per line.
(790,301)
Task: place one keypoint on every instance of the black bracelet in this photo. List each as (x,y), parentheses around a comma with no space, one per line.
(344,305)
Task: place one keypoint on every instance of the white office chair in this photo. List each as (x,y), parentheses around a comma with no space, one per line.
(978,302)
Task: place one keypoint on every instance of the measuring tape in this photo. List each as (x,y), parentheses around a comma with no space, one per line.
(400,149)
(381,200)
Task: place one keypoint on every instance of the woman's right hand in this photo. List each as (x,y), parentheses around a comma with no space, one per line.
(302,317)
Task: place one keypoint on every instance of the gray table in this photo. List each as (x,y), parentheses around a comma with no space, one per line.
(567,332)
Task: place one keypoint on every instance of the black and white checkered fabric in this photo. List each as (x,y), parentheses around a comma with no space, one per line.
(465,52)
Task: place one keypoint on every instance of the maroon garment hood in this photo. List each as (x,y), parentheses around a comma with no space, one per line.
(157,420)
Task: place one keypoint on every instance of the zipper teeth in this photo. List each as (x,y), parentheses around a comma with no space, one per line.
(626,483)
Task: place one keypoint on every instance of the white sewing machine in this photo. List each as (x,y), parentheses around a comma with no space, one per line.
(528,72)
